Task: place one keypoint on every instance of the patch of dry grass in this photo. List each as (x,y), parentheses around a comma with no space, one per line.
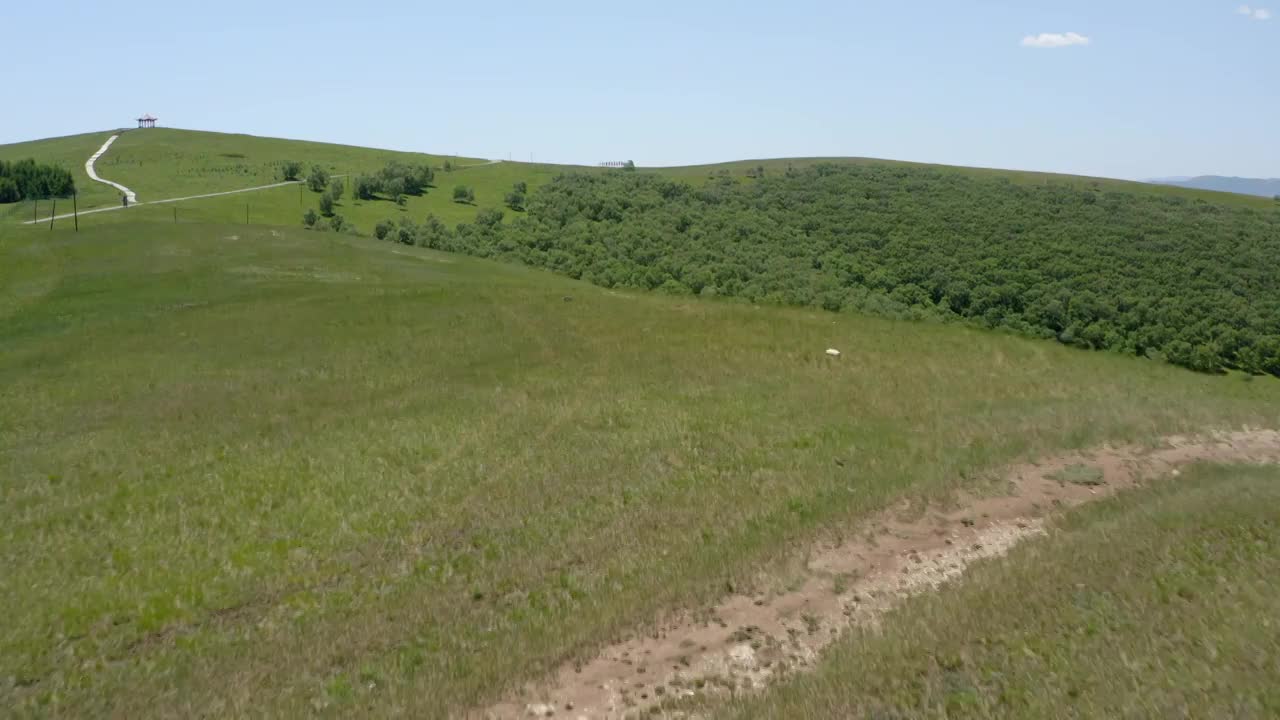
(1159,602)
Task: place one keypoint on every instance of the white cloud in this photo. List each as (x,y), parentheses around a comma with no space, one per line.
(1254,13)
(1054,40)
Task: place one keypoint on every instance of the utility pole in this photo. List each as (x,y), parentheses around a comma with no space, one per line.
(75,209)
(53,213)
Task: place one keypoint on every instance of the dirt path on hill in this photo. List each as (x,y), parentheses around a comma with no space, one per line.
(744,642)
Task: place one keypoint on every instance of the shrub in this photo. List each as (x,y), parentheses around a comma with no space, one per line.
(310,218)
(383,229)
(489,217)
(326,204)
(463,194)
(515,200)
(366,187)
(291,169)
(407,233)
(336,188)
(339,223)
(318,178)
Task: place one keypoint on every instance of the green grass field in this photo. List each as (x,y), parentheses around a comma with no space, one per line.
(263,471)
(247,469)
(163,163)
(1158,603)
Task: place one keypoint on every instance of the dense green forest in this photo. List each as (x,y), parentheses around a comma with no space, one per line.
(25,179)
(1139,273)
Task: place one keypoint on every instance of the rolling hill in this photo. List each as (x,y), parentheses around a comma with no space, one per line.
(169,163)
(252,469)
(1268,188)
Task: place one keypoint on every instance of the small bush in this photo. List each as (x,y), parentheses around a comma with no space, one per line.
(464,194)
(310,218)
(366,187)
(291,169)
(318,178)
(489,217)
(383,229)
(336,188)
(326,204)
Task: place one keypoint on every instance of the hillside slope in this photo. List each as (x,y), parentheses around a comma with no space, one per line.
(269,471)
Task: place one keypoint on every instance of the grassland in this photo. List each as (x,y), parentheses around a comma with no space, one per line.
(164,163)
(1157,603)
(167,163)
(271,472)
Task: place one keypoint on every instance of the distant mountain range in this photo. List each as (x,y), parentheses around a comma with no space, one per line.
(1244,186)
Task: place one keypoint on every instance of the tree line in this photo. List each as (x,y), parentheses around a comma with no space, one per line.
(27,179)
(1141,273)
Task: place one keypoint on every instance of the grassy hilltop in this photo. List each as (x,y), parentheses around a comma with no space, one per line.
(249,469)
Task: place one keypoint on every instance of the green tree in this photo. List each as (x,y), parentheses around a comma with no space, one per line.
(309,219)
(394,188)
(291,169)
(463,194)
(336,188)
(515,200)
(383,229)
(9,190)
(326,204)
(366,187)
(318,178)
(489,217)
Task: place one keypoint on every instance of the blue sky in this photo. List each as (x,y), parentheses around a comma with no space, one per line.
(1176,87)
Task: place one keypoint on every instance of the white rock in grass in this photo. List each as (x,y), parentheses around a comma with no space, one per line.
(833,352)
(540,710)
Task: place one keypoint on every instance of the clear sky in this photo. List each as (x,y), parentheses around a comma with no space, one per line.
(1122,88)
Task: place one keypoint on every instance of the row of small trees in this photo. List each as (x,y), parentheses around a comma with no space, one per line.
(27,179)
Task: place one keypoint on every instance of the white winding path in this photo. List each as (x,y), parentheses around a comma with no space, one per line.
(93,174)
(113,208)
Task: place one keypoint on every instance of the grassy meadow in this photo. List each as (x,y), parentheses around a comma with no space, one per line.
(1157,603)
(262,471)
(165,163)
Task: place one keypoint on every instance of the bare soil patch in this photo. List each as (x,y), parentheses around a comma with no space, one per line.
(746,641)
